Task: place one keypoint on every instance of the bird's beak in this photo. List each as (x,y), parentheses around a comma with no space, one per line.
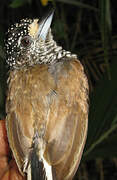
(44,26)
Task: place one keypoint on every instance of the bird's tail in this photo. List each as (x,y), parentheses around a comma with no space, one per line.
(38,168)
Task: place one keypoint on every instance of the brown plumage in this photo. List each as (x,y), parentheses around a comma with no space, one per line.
(47,110)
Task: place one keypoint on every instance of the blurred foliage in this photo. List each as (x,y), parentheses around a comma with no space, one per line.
(87,28)
(17,3)
(103,117)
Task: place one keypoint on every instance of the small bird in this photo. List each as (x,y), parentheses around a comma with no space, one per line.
(47,102)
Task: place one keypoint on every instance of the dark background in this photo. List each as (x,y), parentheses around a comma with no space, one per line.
(87,28)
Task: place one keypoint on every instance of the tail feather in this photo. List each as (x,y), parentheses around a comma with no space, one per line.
(48,170)
(38,169)
(29,173)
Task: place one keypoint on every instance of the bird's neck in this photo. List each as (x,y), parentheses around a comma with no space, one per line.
(51,52)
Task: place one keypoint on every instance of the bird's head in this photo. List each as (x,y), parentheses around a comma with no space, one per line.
(28,41)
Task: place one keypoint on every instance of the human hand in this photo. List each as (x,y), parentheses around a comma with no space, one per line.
(8,168)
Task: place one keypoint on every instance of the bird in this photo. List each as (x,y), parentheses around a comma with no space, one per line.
(47,102)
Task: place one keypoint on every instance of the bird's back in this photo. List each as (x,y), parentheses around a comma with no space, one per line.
(47,109)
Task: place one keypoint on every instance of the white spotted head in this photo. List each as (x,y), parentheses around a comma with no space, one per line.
(25,42)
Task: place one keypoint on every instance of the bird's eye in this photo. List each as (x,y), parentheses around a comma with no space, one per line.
(26,41)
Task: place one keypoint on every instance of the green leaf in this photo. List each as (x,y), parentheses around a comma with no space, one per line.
(19,3)
(103,112)
(107,149)
(59,29)
(78,3)
(106,28)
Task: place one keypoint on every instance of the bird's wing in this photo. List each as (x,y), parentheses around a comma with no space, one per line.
(67,118)
(50,100)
